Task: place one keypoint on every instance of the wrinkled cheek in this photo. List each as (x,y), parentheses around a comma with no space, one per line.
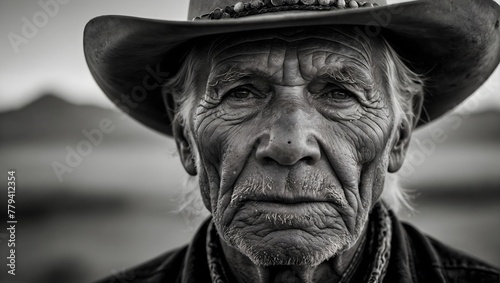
(208,139)
(372,179)
(374,166)
(209,184)
(342,152)
(372,183)
(208,152)
(221,154)
(359,160)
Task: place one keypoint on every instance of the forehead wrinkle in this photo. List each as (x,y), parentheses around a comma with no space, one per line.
(334,66)
(307,33)
(270,40)
(326,59)
(366,45)
(236,47)
(332,42)
(291,61)
(276,55)
(241,47)
(228,49)
(306,36)
(329,53)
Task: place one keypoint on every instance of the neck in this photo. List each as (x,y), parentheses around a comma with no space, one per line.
(244,271)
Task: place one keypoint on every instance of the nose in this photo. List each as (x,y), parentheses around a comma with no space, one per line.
(289,140)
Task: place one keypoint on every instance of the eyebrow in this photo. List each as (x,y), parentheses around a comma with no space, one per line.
(347,74)
(228,75)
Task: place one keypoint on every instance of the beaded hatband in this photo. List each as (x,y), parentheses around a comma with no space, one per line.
(255,7)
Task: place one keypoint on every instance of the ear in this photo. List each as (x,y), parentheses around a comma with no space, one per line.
(180,133)
(403,135)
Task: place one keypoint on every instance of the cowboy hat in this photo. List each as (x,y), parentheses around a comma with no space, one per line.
(455,43)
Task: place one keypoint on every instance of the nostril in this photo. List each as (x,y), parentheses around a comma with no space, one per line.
(267,160)
(289,142)
(308,160)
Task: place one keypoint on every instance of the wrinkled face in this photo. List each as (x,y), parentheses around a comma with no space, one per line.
(293,132)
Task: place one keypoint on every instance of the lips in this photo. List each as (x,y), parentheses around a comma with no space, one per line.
(297,215)
(286,207)
(300,183)
(296,208)
(290,199)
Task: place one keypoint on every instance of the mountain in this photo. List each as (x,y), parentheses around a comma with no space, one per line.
(50,118)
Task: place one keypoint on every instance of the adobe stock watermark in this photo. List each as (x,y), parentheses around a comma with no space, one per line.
(424,148)
(381,18)
(74,156)
(152,79)
(31,26)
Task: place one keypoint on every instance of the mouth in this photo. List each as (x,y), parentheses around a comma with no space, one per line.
(293,214)
(287,206)
(287,200)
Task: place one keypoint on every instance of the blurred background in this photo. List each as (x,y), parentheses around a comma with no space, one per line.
(117,206)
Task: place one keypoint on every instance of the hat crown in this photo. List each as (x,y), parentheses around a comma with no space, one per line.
(200,7)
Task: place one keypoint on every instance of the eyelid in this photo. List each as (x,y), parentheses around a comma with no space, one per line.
(329,86)
(245,87)
(244,79)
(226,86)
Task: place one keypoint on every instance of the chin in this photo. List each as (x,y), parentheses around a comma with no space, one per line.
(294,247)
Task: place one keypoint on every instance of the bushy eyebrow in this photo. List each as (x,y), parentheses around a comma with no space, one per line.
(232,74)
(347,74)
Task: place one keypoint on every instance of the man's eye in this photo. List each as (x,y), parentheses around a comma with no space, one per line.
(243,93)
(338,94)
(240,93)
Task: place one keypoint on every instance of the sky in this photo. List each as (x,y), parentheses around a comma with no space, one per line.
(52,59)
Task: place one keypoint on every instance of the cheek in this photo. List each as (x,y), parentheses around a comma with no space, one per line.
(352,145)
(225,141)
(358,153)
(374,155)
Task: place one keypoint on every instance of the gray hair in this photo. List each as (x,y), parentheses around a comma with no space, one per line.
(403,83)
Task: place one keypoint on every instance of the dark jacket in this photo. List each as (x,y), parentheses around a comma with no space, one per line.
(414,258)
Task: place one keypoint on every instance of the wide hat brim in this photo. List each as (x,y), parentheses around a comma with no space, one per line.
(455,43)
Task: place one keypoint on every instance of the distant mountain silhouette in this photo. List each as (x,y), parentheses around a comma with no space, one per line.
(51,118)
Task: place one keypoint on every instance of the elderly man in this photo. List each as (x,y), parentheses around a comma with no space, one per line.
(290,113)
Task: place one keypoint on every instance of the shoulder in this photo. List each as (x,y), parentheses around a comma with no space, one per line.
(452,264)
(456,264)
(164,268)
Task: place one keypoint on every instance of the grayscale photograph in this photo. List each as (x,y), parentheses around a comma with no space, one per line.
(255,141)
